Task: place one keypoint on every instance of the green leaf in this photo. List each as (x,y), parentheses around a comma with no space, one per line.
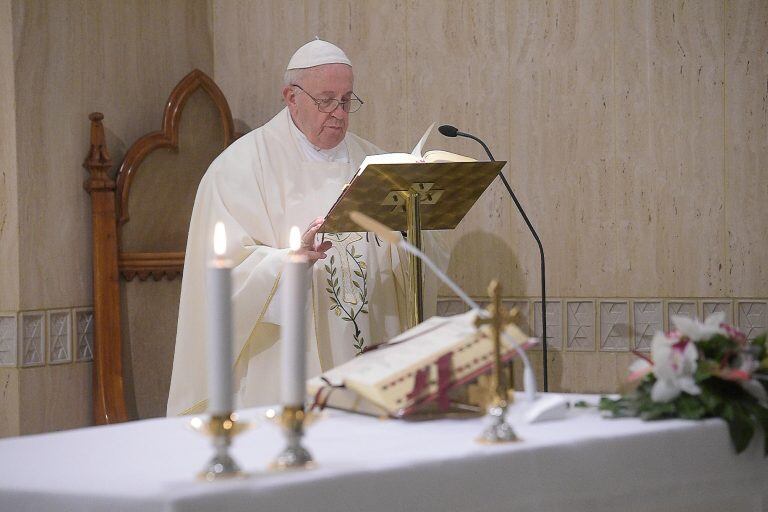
(739,426)
(333,273)
(327,269)
(363,265)
(690,407)
(329,290)
(332,258)
(336,281)
(364,311)
(338,312)
(346,319)
(330,283)
(356,284)
(358,273)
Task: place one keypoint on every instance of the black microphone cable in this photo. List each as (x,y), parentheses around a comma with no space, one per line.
(452,131)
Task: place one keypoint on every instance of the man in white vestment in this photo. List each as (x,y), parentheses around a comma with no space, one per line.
(287,173)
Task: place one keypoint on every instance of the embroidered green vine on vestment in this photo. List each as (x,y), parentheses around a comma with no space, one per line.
(352,301)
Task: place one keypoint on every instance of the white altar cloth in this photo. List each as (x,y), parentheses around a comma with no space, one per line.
(367,464)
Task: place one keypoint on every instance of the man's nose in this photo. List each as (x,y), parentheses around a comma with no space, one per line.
(339,112)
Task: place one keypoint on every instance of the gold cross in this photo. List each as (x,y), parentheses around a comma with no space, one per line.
(499,317)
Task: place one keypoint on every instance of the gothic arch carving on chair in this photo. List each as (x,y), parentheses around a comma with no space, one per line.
(140,221)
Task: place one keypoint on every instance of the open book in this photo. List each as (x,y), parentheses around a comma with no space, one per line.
(415,156)
(379,189)
(414,369)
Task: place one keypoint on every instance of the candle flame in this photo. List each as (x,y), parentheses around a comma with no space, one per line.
(295,239)
(219,239)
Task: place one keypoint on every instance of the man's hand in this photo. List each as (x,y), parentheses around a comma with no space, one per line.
(309,248)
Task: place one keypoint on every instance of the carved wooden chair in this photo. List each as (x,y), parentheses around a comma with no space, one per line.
(140,223)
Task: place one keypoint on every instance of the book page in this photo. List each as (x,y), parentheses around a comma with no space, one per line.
(420,146)
(437,156)
(386,158)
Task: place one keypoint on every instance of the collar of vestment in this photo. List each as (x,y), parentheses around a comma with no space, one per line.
(338,154)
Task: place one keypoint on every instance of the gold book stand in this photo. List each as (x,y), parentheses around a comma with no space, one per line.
(412,197)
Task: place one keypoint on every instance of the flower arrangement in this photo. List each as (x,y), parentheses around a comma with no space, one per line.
(701,370)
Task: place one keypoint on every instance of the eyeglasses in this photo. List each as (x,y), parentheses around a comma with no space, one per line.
(328,105)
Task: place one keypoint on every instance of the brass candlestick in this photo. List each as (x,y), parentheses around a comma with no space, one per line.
(498,430)
(294,456)
(221,429)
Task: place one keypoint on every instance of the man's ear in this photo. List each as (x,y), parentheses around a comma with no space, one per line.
(289,96)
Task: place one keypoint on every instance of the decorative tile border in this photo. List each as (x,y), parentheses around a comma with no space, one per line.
(59,336)
(554,323)
(83,320)
(580,325)
(710,307)
(648,316)
(677,307)
(752,317)
(32,337)
(9,330)
(46,337)
(615,325)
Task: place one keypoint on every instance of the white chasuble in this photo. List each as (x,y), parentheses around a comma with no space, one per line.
(259,187)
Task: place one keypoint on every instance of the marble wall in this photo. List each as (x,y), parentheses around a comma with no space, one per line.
(59,61)
(635,133)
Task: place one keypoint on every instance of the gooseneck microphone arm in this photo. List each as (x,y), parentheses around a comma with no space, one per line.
(452,131)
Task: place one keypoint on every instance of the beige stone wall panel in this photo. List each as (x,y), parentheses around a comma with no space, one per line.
(669,148)
(9,220)
(74,57)
(457,66)
(55,397)
(255,40)
(561,143)
(150,311)
(10,413)
(746,146)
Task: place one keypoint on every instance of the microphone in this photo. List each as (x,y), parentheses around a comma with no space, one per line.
(448,130)
(361,219)
(452,131)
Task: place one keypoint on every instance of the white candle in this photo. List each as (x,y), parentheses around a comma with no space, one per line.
(293,323)
(219,327)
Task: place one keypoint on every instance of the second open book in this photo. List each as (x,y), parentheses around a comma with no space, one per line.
(414,369)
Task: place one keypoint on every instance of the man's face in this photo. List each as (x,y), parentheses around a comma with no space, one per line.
(324,130)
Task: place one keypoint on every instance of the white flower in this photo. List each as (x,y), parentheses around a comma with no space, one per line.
(697,331)
(674,363)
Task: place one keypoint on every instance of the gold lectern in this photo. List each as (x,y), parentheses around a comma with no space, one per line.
(412,197)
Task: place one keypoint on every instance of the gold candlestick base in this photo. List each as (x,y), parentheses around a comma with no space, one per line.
(498,430)
(294,456)
(221,429)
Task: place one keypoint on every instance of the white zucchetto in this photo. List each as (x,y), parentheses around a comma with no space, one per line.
(317,53)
